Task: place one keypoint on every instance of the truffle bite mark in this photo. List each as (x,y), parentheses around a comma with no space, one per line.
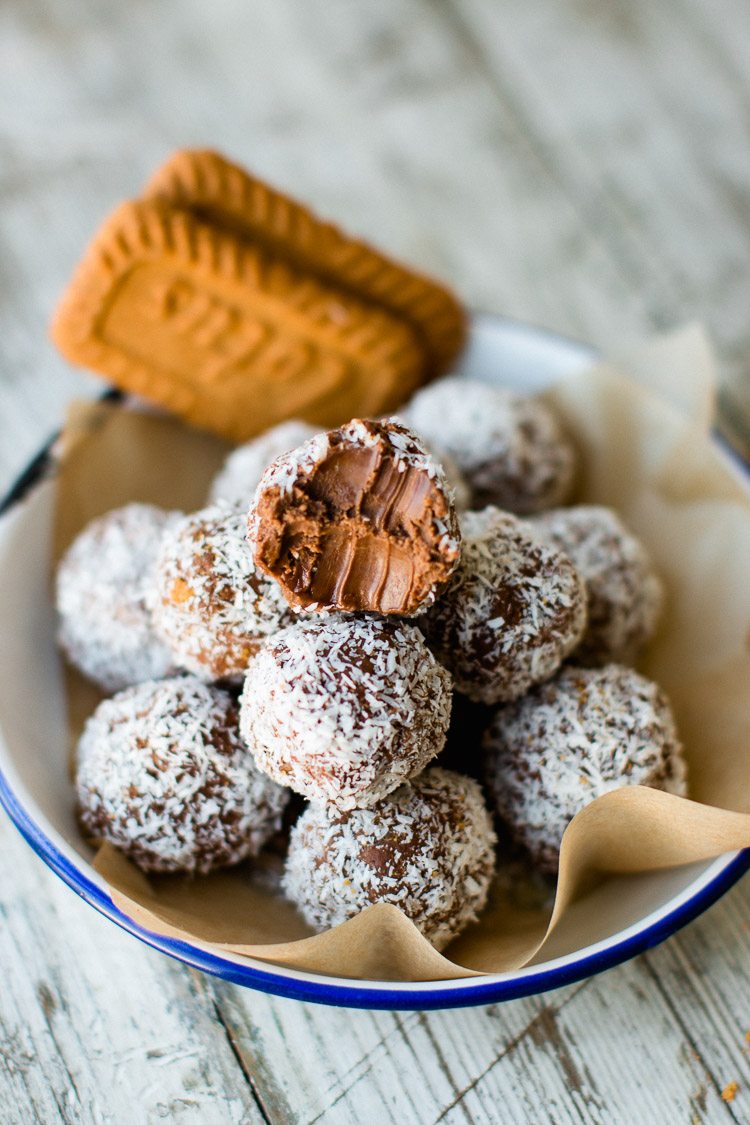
(359,519)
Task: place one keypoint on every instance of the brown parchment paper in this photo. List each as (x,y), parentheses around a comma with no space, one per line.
(642,426)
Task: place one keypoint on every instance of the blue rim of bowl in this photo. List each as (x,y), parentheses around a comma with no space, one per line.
(342,993)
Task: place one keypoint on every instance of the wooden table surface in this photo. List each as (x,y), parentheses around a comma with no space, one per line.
(582,164)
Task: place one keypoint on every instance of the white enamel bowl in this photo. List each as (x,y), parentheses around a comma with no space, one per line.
(611,925)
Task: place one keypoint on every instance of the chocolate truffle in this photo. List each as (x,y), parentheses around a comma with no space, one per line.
(428,848)
(343,709)
(105,592)
(583,734)
(625,595)
(163,775)
(513,611)
(510,447)
(240,475)
(214,606)
(358,519)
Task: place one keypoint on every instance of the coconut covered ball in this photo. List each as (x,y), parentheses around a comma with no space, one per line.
(510,447)
(583,734)
(427,848)
(625,595)
(359,519)
(163,775)
(240,474)
(105,592)
(214,607)
(513,611)
(343,709)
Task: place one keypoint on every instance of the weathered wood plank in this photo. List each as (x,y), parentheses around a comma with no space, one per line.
(407,1066)
(95,1027)
(703,975)
(642,120)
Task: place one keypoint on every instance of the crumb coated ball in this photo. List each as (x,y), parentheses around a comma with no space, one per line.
(510,447)
(163,775)
(428,848)
(214,607)
(625,595)
(343,709)
(588,731)
(105,592)
(513,611)
(359,519)
(240,475)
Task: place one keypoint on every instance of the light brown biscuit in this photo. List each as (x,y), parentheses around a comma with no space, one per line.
(225,333)
(227,196)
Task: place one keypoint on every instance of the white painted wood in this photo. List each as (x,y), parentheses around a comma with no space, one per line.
(93,1025)
(574,163)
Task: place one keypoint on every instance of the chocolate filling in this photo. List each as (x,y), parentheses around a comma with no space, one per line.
(365,529)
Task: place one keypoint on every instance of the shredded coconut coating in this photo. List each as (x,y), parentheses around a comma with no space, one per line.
(625,595)
(214,607)
(163,775)
(510,447)
(514,610)
(343,709)
(361,537)
(240,475)
(583,734)
(105,592)
(428,848)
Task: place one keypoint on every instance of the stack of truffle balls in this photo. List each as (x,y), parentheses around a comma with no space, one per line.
(308,631)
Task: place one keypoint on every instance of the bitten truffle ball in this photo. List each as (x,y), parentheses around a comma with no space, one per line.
(358,519)
(625,595)
(513,611)
(428,848)
(105,593)
(240,475)
(214,607)
(343,709)
(510,447)
(583,734)
(163,775)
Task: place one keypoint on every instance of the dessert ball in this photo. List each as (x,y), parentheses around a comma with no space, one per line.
(588,731)
(343,709)
(163,775)
(358,519)
(510,447)
(513,611)
(625,595)
(214,607)
(105,594)
(240,475)
(428,848)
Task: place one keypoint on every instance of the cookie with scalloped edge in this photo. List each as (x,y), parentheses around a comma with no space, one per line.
(226,333)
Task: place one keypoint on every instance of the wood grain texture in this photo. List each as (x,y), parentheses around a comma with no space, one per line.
(580,164)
